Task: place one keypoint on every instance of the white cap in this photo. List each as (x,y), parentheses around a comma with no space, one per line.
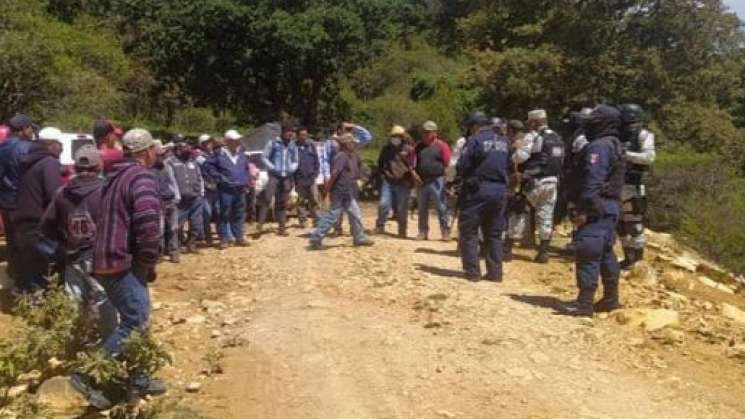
(537,114)
(204,138)
(51,134)
(429,126)
(232,135)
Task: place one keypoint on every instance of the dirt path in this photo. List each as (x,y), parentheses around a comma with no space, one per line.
(389,332)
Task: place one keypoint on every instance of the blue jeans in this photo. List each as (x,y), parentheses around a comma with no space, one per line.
(210,208)
(131,298)
(339,205)
(485,211)
(432,191)
(394,196)
(594,249)
(192,210)
(232,214)
(169,241)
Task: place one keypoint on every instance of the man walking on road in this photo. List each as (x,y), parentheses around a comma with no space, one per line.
(281,161)
(396,169)
(432,158)
(343,190)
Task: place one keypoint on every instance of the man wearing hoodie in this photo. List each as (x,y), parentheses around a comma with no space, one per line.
(127,246)
(281,161)
(41,177)
(595,186)
(70,220)
(12,150)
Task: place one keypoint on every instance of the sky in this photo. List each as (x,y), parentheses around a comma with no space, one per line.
(737,6)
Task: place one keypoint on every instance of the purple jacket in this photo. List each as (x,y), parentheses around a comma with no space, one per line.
(129,225)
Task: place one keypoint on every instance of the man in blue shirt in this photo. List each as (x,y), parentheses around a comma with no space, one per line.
(281,161)
(482,169)
(15,147)
(305,178)
(595,185)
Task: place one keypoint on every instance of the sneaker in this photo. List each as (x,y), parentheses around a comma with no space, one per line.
(154,387)
(175,257)
(473,277)
(224,245)
(82,384)
(283,232)
(191,247)
(303,224)
(241,243)
(489,278)
(421,236)
(364,243)
(315,245)
(379,230)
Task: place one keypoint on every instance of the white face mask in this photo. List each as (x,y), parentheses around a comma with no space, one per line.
(396,141)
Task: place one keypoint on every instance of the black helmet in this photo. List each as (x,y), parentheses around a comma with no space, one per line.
(632,113)
(477,118)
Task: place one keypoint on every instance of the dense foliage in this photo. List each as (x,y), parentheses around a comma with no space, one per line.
(204,65)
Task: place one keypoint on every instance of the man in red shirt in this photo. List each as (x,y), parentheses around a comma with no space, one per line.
(107,137)
(432,158)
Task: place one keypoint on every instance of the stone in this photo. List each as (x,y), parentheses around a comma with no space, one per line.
(643,273)
(737,351)
(650,319)
(215,334)
(18,390)
(60,398)
(686,263)
(193,387)
(54,363)
(733,313)
(713,284)
(213,307)
(670,336)
(197,319)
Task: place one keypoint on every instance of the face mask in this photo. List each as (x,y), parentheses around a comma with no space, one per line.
(396,141)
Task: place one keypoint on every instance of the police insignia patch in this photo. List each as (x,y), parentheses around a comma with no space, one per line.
(594,158)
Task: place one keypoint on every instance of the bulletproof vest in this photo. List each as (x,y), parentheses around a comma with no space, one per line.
(550,159)
(634,172)
(493,166)
(616,179)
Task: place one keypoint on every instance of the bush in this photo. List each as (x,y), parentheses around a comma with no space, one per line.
(702,201)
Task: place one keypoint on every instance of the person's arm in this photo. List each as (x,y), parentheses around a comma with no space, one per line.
(523,149)
(647,155)
(173,184)
(266,157)
(52,181)
(363,135)
(316,164)
(338,166)
(446,153)
(597,162)
(146,213)
(294,160)
(50,222)
(200,179)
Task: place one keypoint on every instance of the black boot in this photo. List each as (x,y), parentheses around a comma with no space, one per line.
(507,250)
(583,306)
(609,302)
(542,256)
(631,256)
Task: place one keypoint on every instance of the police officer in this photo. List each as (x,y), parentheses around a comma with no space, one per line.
(483,170)
(595,187)
(541,158)
(640,154)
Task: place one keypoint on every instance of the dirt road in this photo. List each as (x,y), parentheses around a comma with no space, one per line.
(391,332)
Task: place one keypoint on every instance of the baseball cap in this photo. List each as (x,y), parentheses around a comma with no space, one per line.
(19,122)
(138,139)
(232,135)
(87,157)
(537,114)
(429,126)
(50,134)
(204,138)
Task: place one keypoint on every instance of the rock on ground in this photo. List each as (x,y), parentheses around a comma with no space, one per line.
(61,399)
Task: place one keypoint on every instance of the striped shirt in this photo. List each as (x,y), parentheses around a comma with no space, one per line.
(129,224)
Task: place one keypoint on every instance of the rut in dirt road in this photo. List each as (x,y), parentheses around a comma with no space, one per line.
(390,331)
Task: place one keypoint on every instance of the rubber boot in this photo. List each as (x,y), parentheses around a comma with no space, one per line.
(542,256)
(583,306)
(507,250)
(628,259)
(609,302)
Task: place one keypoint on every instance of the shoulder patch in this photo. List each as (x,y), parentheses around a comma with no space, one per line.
(594,158)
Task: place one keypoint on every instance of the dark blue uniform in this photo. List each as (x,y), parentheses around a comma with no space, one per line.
(596,185)
(483,169)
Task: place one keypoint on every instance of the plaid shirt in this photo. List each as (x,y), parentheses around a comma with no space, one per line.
(129,225)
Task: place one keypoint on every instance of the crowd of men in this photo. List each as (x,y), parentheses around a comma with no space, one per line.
(133,200)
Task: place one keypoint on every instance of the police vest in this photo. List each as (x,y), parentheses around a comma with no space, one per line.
(493,166)
(549,160)
(635,172)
